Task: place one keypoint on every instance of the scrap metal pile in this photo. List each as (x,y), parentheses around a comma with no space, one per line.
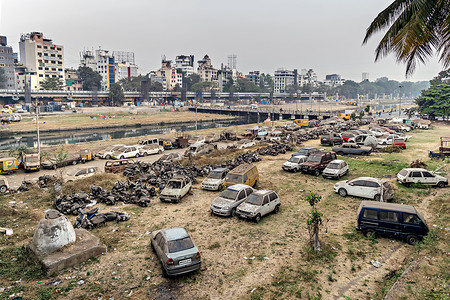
(92,218)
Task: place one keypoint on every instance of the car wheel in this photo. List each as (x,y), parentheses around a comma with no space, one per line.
(412,239)
(277,209)
(338,176)
(159,152)
(377,197)
(74,162)
(3,189)
(108,156)
(340,153)
(164,272)
(137,155)
(317,172)
(153,246)
(233,212)
(258,218)
(441,184)
(408,184)
(54,167)
(122,157)
(342,192)
(370,233)
(220,188)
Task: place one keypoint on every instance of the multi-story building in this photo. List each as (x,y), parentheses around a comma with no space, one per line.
(283,79)
(170,76)
(185,64)
(206,71)
(333,80)
(7,63)
(365,76)
(224,75)
(254,77)
(307,77)
(73,82)
(41,57)
(102,62)
(125,65)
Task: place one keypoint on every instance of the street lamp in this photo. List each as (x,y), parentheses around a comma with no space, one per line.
(400,100)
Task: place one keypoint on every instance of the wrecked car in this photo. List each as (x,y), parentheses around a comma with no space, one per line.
(294,163)
(214,181)
(352,148)
(176,189)
(365,187)
(259,204)
(227,202)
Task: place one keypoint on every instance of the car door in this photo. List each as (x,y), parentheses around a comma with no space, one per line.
(389,223)
(272,197)
(265,208)
(416,177)
(159,245)
(356,188)
(428,178)
(240,198)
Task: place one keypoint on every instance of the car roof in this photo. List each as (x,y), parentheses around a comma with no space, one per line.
(262,192)
(219,169)
(238,186)
(307,148)
(337,161)
(175,233)
(415,169)
(390,206)
(369,178)
(300,155)
(242,168)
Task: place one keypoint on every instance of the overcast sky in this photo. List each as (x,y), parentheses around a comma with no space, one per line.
(325,35)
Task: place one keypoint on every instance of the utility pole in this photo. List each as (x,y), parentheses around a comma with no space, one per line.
(37,127)
(400,100)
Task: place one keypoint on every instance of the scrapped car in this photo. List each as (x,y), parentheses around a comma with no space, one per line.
(151,149)
(4,185)
(259,204)
(335,169)
(352,148)
(108,151)
(317,162)
(385,139)
(81,173)
(294,163)
(244,144)
(117,166)
(126,152)
(409,176)
(331,139)
(199,149)
(347,135)
(170,157)
(399,143)
(176,189)
(227,202)
(305,151)
(365,187)
(243,174)
(176,251)
(214,181)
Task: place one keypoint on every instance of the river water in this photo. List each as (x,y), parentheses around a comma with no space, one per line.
(90,135)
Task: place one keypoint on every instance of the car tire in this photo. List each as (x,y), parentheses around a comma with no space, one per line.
(257,218)
(153,247)
(370,233)
(220,187)
(54,167)
(108,156)
(137,155)
(340,153)
(440,184)
(408,184)
(233,212)
(412,239)
(74,162)
(342,192)
(121,157)
(164,272)
(160,151)
(277,209)
(3,189)
(317,172)
(377,197)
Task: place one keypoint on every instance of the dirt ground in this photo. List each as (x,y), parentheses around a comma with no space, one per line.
(241,259)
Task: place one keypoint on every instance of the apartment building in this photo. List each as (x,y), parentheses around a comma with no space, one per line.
(125,65)
(7,63)
(73,82)
(169,75)
(284,78)
(185,63)
(254,76)
(103,62)
(333,80)
(41,58)
(206,71)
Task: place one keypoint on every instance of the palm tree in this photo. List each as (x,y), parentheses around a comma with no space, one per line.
(415,30)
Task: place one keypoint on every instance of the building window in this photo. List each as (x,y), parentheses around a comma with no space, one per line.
(39,46)
(53,76)
(40,68)
(59,49)
(41,75)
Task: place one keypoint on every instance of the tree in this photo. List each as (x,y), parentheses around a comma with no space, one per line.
(367,108)
(156,86)
(131,84)
(245,86)
(266,83)
(227,86)
(204,86)
(116,95)
(415,30)
(3,78)
(353,116)
(314,221)
(91,79)
(189,81)
(52,83)
(17,151)
(57,158)
(435,101)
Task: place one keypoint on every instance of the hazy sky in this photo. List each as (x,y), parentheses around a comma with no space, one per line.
(325,35)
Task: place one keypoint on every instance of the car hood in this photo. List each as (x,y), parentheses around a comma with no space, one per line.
(331,171)
(247,207)
(441,177)
(219,201)
(290,164)
(212,181)
(310,164)
(341,183)
(171,192)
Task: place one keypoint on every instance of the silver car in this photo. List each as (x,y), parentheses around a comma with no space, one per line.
(214,181)
(229,199)
(259,204)
(176,251)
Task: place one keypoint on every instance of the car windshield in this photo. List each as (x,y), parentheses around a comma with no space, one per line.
(121,149)
(33,159)
(175,184)
(294,159)
(254,199)
(215,175)
(229,194)
(403,172)
(180,245)
(234,178)
(302,151)
(334,166)
(164,157)
(314,158)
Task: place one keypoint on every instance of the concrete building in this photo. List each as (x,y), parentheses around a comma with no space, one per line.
(254,77)
(103,62)
(125,65)
(25,78)
(41,57)
(73,82)
(224,75)
(333,80)
(206,71)
(365,76)
(7,63)
(170,76)
(283,79)
(307,77)
(185,64)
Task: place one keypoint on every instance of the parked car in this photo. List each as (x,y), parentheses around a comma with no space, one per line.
(331,139)
(52,163)
(151,149)
(170,157)
(259,204)
(317,162)
(227,202)
(8,165)
(336,169)
(385,139)
(214,181)
(126,152)
(305,151)
(176,189)
(347,135)
(108,151)
(4,185)
(81,173)
(242,174)
(245,144)
(294,163)
(365,187)
(176,250)
(409,176)
(199,149)
(399,143)
(390,219)
(117,166)
(352,148)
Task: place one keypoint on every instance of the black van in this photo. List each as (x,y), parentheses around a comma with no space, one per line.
(391,219)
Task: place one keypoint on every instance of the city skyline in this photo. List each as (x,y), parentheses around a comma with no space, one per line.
(312,35)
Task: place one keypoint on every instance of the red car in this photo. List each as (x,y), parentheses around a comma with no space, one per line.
(399,143)
(346,136)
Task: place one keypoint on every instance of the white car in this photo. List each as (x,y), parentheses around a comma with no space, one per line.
(335,169)
(126,152)
(227,202)
(81,173)
(365,187)
(108,151)
(214,181)
(245,144)
(259,204)
(176,189)
(151,149)
(293,164)
(409,176)
(385,139)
